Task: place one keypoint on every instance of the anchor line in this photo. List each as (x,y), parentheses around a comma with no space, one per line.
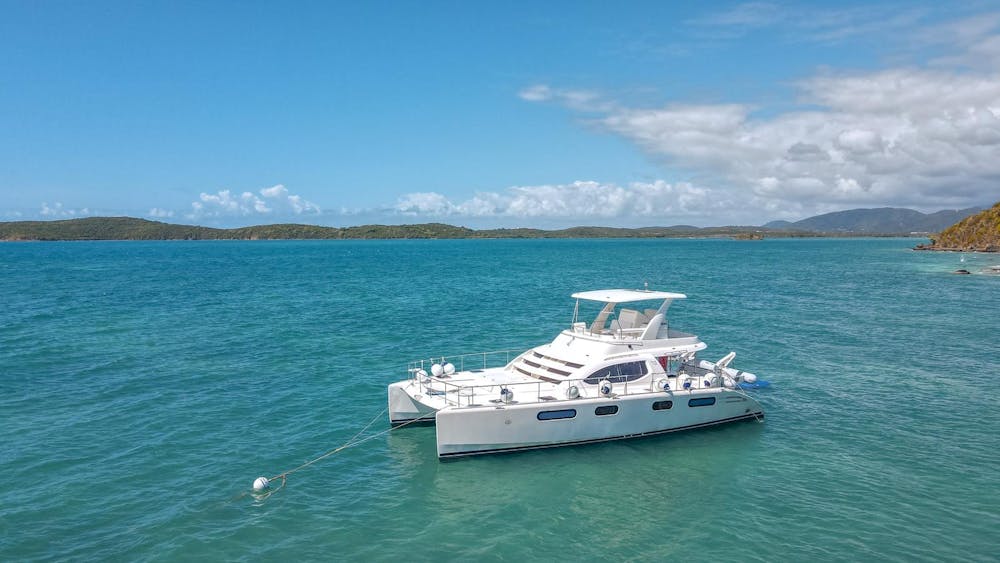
(736,387)
(351,442)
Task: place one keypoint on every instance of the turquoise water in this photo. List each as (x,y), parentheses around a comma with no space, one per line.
(145,386)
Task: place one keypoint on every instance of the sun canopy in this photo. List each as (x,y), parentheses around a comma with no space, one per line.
(626,295)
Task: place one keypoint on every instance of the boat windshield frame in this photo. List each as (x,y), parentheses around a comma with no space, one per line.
(612,298)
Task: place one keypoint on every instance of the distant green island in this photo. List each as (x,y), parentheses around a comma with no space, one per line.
(130,228)
(884,221)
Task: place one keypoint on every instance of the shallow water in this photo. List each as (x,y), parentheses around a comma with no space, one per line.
(146,384)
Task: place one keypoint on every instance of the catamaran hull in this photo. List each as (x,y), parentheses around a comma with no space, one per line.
(513,427)
(405,408)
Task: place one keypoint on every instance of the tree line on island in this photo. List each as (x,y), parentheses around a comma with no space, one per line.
(980,231)
(129,228)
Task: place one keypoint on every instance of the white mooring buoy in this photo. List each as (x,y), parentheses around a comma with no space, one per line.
(260,484)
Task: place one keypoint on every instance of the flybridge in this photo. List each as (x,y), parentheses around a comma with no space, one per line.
(626,324)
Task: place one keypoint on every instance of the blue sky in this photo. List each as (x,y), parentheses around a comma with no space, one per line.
(504,114)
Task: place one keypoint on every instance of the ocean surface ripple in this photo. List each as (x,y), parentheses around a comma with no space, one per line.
(146,384)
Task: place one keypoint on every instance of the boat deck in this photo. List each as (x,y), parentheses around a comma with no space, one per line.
(499,385)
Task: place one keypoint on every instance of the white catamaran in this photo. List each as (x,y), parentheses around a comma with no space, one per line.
(625,374)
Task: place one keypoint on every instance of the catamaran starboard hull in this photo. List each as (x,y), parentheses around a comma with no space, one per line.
(490,430)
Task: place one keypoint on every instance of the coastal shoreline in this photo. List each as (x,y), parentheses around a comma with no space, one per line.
(129,228)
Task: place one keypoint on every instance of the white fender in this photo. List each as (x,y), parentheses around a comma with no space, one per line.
(506,395)
(605,387)
(737,375)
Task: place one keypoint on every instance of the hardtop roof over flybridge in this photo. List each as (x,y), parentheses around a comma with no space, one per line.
(625,295)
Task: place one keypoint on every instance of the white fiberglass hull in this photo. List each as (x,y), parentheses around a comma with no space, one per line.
(405,408)
(512,427)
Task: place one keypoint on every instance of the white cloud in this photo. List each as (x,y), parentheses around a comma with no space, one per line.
(808,23)
(925,138)
(576,200)
(973,41)
(267,201)
(160,213)
(536,93)
(747,15)
(424,203)
(579,100)
(56,210)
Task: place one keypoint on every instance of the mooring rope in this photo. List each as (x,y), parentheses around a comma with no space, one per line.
(739,390)
(351,442)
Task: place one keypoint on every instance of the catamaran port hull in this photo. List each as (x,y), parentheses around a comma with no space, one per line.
(405,408)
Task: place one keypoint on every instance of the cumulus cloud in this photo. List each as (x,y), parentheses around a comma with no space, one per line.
(576,200)
(274,200)
(57,210)
(906,136)
(925,137)
(426,203)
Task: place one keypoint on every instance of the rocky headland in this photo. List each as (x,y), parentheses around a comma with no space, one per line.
(976,233)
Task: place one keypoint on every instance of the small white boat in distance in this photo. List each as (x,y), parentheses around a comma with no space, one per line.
(625,374)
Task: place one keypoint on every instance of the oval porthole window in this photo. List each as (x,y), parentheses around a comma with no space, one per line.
(701,402)
(606,410)
(662,405)
(556,415)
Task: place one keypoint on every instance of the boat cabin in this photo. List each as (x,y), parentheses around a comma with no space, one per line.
(622,343)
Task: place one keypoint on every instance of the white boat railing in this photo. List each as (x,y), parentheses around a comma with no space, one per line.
(465,362)
(460,393)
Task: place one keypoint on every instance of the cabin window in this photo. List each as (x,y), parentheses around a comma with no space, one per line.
(632,370)
(556,415)
(701,402)
(619,373)
(603,373)
(606,410)
(662,405)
